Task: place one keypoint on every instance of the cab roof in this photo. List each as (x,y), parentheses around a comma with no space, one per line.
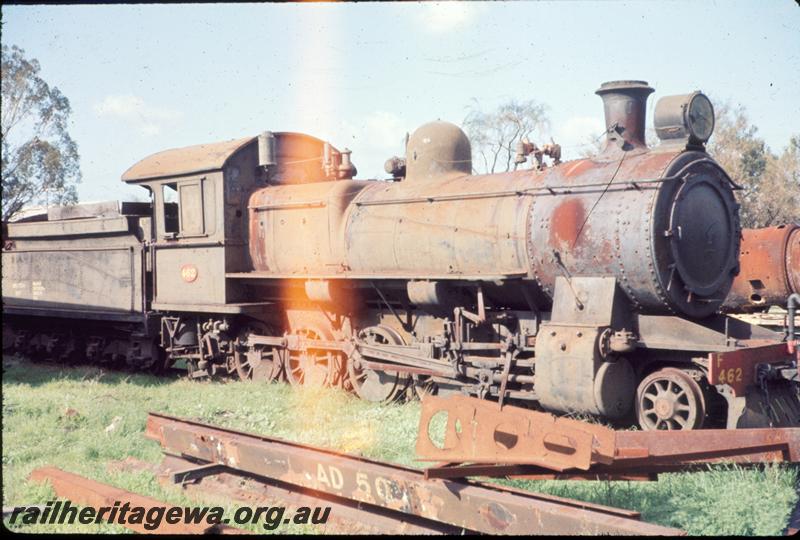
(187,160)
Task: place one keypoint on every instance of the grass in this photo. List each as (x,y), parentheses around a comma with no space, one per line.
(55,415)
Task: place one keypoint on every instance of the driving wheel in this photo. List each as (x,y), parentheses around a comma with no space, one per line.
(376,385)
(256,362)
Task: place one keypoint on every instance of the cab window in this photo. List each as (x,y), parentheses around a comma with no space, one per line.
(190,196)
(170,196)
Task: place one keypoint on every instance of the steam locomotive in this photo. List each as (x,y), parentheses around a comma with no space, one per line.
(590,286)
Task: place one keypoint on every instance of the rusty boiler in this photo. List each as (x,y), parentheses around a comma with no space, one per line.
(770,269)
(662,221)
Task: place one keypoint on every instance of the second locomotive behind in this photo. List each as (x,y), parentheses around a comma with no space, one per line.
(588,286)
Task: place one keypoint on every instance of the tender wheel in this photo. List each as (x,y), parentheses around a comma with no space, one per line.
(162,362)
(9,338)
(670,399)
(257,363)
(312,367)
(372,385)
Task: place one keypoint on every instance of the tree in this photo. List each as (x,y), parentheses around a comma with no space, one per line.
(779,200)
(40,161)
(771,184)
(494,135)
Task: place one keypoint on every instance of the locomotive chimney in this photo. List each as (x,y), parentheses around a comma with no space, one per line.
(624,104)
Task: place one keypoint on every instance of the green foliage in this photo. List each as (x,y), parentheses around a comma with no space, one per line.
(771,194)
(39,159)
(61,416)
(723,500)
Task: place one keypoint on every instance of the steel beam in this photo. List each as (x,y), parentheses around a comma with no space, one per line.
(642,455)
(346,516)
(667,448)
(472,506)
(87,492)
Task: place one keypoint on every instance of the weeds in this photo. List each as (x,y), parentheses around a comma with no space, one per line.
(61,416)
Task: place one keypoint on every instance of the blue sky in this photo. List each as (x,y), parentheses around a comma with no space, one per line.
(143,78)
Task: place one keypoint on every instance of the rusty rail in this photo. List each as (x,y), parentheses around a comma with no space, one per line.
(471,506)
(87,492)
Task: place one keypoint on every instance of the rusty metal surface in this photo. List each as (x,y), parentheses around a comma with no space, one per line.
(460,264)
(46,230)
(298,159)
(625,106)
(99,209)
(708,446)
(737,368)
(299,229)
(476,507)
(770,268)
(437,149)
(625,454)
(643,455)
(774,318)
(793,261)
(631,214)
(529,472)
(478,431)
(87,492)
(632,234)
(346,516)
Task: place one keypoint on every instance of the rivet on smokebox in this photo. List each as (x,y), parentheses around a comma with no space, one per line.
(579,334)
(553,333)
(563,346)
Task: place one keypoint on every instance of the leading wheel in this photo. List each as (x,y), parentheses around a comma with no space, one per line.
(670,399)
(373,385)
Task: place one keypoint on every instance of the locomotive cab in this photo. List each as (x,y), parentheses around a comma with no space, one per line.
(201,211)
